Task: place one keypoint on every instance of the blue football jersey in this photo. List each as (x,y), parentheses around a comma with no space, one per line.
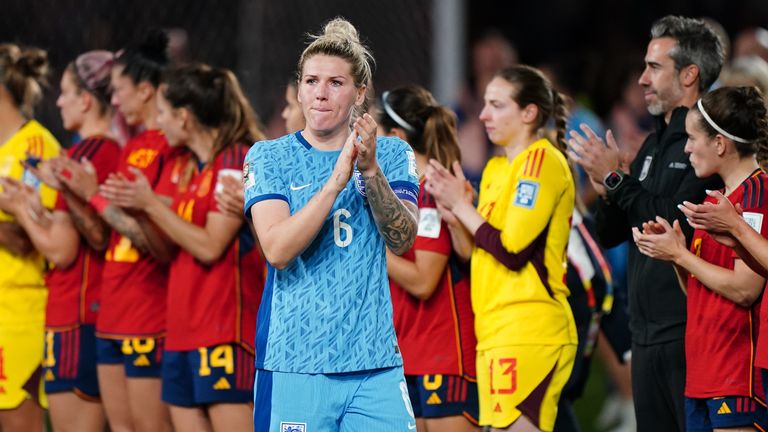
(329,311)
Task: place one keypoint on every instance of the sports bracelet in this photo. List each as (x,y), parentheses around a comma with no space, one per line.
(99,203)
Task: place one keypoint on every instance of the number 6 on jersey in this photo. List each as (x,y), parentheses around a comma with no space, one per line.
(339,226)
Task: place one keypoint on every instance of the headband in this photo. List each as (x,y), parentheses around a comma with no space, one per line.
(393,115)
(718,128)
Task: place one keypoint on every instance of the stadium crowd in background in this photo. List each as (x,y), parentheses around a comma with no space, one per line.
(390,263)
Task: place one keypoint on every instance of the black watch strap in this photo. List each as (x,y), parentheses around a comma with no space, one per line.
(613,179)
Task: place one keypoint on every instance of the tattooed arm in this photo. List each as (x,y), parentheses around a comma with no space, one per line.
(86,221)
(81,180)
(396,219)
(142,233)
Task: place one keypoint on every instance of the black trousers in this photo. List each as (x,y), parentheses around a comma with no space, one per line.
(658,383)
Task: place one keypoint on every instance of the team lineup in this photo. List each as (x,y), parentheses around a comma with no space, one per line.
(174,269)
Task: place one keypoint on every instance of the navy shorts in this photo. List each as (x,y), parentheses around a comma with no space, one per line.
(443,396)
(142,357)
(208,375)
(724,412)
(70,362)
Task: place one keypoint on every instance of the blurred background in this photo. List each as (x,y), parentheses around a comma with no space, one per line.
(593,45)
(592,49)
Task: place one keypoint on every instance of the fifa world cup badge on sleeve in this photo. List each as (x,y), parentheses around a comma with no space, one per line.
(526,193)
(429,223)
(755,220)
(248,178)
(359,182)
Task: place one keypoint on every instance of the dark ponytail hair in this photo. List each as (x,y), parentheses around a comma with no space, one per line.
(214,97)
(429,127)
(741,112)
(24,73)
(532,87)
(146,61)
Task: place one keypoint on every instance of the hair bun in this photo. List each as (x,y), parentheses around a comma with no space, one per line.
(9,54)
(341,29)
(33,63)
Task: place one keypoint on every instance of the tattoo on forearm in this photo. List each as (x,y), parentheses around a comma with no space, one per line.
(395,222)
(90,226)
(127,226)
(87,222)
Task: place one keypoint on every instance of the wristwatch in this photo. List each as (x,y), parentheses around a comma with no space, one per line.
(613,179)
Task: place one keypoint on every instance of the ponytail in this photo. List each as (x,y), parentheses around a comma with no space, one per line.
(215,98)
(439,138)
(240,123)
(429,126)
(560,117)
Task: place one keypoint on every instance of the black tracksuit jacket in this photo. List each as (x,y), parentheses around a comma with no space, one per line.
(661,177)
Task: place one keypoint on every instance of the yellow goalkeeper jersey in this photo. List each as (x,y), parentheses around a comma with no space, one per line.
(22,289)
(519,294)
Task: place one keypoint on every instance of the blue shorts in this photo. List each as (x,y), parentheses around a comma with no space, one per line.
(724,412)
(70,362)
(442,396)
(370,401)
(142,357)
(208,375)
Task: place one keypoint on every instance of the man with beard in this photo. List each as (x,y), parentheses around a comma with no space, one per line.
(683,59)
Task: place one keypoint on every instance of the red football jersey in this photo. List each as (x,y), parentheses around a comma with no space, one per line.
(721,336)
(73,292)
(217,303)
(134,285)
(436,336)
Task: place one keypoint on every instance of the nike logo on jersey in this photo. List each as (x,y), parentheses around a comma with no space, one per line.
(297,188)
(411,426)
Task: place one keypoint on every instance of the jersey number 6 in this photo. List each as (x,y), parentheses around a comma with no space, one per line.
(339,226)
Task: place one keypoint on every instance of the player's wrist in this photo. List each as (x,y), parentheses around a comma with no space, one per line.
(371,171)
(739,229)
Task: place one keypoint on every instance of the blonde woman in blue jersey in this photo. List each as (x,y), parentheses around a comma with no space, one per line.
(22,290)
(526,336)
(325,202)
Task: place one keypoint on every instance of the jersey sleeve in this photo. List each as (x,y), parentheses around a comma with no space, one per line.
(105,160)
(50,149)
(536,194)
(433,233)
(229,163)
(534,198)
(262,176)
(61,203)
(754,202)
(398,162)
(171,167)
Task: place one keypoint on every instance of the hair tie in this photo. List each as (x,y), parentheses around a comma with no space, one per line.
(718,128)
(393,115)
